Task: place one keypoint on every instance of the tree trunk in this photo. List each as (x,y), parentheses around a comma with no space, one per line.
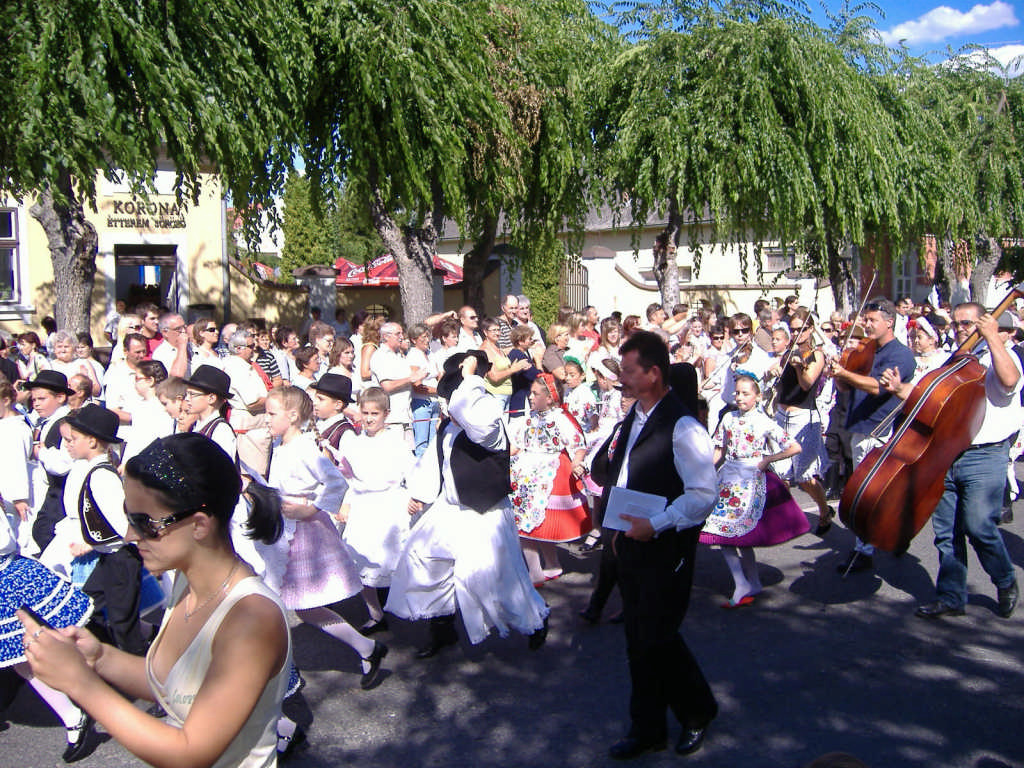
(666,270)
(474,265)
(959,288)
(844,287)
(989,254)
(73,245)
(412,249)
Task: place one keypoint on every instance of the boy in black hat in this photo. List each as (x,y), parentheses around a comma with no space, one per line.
(95,522)
(331,394)
(206,396)
(48,393)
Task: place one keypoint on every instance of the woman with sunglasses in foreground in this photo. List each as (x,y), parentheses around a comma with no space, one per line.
(220,712)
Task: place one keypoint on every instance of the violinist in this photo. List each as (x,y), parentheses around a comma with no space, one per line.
(870,403)
(797,413)
(746,355)
(972,502)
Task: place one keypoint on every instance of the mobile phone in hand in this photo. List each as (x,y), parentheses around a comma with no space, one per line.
(39,619)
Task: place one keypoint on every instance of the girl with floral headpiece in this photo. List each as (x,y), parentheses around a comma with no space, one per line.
(547,470)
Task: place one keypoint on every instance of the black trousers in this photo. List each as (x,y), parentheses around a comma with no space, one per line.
(655,579)
(115,586)
(50,513)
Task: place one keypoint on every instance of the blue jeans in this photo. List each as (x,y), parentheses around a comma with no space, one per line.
(424,424)
(969,509)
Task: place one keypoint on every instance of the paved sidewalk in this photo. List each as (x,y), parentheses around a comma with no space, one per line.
(817,664)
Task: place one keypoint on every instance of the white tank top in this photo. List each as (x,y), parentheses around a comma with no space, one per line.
(255,746)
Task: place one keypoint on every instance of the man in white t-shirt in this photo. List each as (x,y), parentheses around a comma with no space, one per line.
(248,401)
(469,338)
(392,373)
(173,350)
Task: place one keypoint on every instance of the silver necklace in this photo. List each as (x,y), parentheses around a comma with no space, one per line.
(189,614)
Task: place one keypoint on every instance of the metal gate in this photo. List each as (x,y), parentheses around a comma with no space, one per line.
(573,289)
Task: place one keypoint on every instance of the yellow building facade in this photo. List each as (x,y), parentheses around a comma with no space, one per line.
(151,248)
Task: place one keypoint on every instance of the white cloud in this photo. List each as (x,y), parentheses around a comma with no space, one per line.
(983,59)
(944,22)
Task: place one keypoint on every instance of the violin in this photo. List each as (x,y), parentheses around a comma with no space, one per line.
(858,359)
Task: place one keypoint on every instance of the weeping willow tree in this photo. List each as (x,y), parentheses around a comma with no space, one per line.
(401,106)
(979,108)
(126,88)
(533,189)
(767,129)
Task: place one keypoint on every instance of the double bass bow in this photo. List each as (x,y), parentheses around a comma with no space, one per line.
(894,490)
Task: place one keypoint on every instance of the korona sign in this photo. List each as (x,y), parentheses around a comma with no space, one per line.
(142,214)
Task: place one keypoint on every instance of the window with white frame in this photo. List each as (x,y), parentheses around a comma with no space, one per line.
(9,255)
(904,275)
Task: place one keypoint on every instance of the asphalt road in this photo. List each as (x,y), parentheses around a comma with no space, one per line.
(817,664)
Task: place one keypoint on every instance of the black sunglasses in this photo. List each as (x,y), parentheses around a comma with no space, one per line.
(738,331)
(148,528)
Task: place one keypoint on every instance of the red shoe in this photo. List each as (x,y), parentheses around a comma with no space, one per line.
(745,600)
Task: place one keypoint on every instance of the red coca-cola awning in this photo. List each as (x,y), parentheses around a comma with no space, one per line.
(382,271)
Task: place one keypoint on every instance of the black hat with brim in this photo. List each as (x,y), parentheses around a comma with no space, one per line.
(334,385)
(97,421)
(452,377)
(212,380)
(55,381)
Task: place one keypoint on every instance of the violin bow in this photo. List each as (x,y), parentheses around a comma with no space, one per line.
(860,310)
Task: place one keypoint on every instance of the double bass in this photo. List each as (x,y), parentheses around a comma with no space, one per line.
(894,490)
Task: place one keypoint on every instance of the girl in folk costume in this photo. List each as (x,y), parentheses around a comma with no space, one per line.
(547,489)
(26,581)
(580,399)
(754,508)
(376,506)
(317,569)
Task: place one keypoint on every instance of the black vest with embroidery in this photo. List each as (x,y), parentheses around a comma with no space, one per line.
(96,530)
(482,476)
(651,462)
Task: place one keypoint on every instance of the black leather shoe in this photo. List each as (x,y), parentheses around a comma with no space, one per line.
(82,745)
(937,610)
(286,745)
(856,563)
(373,627)
(825,522)
(1006,516)
(537,639)
(442,634)
(1008,600)
(590,615)
(371,675)
(631,747)
(690,740)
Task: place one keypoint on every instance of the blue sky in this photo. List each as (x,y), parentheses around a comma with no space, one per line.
(929,26)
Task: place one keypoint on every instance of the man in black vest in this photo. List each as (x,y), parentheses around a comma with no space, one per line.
(660,449)
(463,553)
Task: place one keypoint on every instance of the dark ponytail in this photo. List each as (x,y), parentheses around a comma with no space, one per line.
(265,523)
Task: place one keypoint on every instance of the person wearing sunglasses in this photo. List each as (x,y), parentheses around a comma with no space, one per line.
(746,354)
(180,493)
(204,342)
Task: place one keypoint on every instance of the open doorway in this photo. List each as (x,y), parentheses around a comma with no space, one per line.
(147,273)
